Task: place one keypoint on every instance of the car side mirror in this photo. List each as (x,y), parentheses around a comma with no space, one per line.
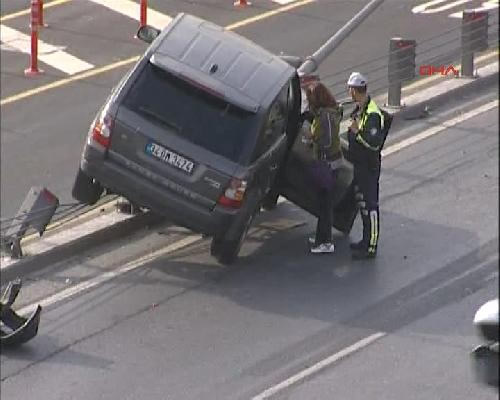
(147,33)
(486,320)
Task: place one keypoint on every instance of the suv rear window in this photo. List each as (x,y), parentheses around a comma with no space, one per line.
(193,113)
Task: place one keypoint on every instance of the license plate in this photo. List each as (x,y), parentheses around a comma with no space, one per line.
(169,157)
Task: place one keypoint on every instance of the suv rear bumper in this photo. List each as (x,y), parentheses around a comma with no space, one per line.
(138,189)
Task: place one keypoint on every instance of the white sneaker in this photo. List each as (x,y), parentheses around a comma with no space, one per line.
(323,248)
(312,240)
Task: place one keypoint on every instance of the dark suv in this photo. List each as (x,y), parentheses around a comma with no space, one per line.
(197,131)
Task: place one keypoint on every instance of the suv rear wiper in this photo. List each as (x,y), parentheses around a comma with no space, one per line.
(158,118)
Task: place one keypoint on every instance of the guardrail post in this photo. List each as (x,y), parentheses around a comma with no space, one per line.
(401,68)
(36,212)
(474,38)
(34,24)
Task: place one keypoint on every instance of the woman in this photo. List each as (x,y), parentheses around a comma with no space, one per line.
(327,154)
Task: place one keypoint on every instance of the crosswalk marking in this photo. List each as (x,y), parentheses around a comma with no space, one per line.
(47,53)
(132,9)
(485,6)
(437,6)
(283,2)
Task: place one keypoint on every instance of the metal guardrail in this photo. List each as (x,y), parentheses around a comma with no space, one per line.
(428,52)
(35,214)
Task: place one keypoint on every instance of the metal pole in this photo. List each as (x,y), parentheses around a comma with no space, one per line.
(468,64)
(312,62)
(394,94)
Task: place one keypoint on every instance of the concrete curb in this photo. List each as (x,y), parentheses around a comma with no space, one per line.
(437,94)
(33,262)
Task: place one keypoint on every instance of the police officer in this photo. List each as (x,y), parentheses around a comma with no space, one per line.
(365,142)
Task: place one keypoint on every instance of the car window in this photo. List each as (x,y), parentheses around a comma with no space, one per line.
(193,113)
(276,121)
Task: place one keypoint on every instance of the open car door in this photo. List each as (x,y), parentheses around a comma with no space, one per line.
(294,180)
(296,185)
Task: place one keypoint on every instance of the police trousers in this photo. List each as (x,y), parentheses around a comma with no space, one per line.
(366,187)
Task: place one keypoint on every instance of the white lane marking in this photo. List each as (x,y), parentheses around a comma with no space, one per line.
(51,55)
(428,8)
(6,47)
(487,5)
(436,129)
(283,2)
(131,9)
(98,280)
(320,365)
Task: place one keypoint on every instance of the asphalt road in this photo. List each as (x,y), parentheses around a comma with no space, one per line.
(182,327)
(42,135)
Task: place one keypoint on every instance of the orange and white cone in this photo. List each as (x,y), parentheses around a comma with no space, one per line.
(242,3)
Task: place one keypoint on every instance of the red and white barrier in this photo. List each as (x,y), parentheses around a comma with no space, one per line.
(41,23)
(33,69)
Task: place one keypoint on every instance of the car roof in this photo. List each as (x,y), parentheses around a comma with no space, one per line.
(200,51)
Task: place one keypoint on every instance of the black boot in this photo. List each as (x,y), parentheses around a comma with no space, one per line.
(363,243)
(364,254)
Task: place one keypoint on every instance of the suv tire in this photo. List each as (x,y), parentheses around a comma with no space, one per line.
(85,189)
(270,201)
(225,249)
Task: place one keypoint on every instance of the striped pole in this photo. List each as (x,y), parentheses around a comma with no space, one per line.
(144,13)
(35,20)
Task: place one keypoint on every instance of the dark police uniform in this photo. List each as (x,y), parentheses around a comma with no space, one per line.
(364,152)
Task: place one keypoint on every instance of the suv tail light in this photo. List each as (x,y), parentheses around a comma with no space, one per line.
(101,133)
(233,196)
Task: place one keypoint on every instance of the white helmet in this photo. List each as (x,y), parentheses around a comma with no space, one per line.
(356,80)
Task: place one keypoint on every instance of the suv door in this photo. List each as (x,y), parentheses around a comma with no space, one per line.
(272,142)
(295,184)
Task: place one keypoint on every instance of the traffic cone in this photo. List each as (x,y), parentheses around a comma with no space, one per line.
(242,3)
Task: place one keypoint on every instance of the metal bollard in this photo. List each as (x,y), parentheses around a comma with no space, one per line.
(474,38)
(401,67)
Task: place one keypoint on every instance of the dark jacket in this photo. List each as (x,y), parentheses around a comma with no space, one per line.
(325,134)
(364,147)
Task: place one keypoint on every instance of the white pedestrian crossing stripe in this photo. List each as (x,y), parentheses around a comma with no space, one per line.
(439,6)
(283,2)
(47,53)
(56,56)
(131,9)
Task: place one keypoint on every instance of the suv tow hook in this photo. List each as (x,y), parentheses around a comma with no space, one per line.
(14,328)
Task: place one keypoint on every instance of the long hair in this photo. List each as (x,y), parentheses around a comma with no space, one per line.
(319,96)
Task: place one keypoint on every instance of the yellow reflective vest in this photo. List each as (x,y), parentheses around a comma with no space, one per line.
(363,136)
